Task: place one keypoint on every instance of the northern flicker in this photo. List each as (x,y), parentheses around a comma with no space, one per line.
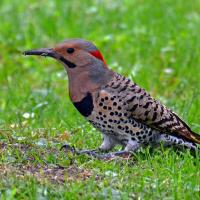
(124,112)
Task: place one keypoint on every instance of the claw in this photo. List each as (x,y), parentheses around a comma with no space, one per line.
(68,148)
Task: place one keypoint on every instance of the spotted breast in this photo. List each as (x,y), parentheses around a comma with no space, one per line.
(124,111)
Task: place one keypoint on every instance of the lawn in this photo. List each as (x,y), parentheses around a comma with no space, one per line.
(155,43)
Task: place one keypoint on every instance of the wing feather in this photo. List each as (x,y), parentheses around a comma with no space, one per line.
(142,107)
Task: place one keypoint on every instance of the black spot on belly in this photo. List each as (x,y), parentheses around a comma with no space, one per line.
(85,106)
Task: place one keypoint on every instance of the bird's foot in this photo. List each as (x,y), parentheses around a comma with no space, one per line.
(113,155)
(73,150)
(96,153)
(68,148)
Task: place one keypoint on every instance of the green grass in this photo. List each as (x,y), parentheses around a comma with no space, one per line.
(156,43)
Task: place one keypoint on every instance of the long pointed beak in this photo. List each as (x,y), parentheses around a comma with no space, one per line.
(42,52)
(50,52)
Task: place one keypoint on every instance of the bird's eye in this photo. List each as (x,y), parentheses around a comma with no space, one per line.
(70,50)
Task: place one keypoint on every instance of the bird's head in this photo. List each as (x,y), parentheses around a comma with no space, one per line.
(84,63)
(73,53)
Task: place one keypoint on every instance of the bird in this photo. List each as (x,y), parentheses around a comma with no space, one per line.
(121,110)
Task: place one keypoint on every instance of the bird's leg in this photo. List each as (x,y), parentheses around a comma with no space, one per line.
(96,153)
(131,147)
(108,143)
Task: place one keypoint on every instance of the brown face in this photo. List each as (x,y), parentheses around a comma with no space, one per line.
(72,53)
(84,63)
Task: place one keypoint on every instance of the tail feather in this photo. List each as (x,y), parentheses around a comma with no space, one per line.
(189,135)
(185,131)
(195,137)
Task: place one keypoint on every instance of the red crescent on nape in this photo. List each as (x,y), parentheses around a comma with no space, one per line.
(98,55)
